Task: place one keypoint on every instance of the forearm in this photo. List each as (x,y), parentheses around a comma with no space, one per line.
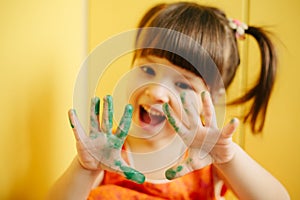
(75,183)
(249,180)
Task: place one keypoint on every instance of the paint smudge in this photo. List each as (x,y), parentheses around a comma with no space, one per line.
(110,111)
(125,121)
(182,97)
(114,142)
(171,173)
(169,117)
(97,105)
(130,173)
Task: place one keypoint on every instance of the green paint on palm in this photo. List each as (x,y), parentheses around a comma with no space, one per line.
(169,117)
(171,173)
(114,142)
(130,173)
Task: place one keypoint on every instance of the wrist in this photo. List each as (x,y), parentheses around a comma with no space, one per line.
(85,170)
(226,156)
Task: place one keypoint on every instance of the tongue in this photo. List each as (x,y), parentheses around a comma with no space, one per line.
(146,117)
(151,119)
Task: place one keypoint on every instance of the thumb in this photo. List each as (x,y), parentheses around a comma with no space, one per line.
(78,131)
(230,128)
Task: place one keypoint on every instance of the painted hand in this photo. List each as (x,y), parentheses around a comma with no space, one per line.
(102,149)
(206,143)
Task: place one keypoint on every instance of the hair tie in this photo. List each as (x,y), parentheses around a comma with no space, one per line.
(239,28)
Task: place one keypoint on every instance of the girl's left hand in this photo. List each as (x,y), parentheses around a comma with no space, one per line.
(207,144)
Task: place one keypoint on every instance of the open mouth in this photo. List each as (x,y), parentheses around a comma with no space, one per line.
(151,116)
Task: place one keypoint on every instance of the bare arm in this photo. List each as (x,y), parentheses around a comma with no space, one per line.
(75,183)
(249,180)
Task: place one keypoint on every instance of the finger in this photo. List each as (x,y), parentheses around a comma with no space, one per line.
(78,131)
(120,167)
(94,115)
(208,110)
(185,134)
(188,102)
(176,123)
(230,128)
(125,122)
(107,116)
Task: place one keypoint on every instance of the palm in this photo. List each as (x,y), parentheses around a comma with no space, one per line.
(102,148)
(207,143)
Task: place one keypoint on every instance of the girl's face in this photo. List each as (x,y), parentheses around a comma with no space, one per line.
(156,81)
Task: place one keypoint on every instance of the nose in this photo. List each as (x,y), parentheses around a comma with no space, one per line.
(158,93)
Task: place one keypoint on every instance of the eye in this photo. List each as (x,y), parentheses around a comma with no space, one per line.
(148,70)
(184,86)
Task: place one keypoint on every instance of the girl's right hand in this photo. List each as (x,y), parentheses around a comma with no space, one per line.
(102,149)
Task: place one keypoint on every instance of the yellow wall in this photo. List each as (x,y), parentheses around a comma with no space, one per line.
(43,44)
(278,147)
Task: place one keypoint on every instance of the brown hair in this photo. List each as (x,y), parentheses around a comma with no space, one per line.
(209,28)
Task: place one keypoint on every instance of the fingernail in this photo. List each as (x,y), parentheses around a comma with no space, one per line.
(128,110)
(203,94)
(108,98)
(232,120)
(73,113)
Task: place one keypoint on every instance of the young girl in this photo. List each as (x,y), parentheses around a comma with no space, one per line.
(176,83)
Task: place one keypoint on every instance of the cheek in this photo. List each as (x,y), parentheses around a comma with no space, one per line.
(133,97)
(134,89)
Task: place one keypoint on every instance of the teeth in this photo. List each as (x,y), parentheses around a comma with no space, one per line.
(152,111)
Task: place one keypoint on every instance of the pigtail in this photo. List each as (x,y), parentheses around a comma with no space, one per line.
(261,92)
